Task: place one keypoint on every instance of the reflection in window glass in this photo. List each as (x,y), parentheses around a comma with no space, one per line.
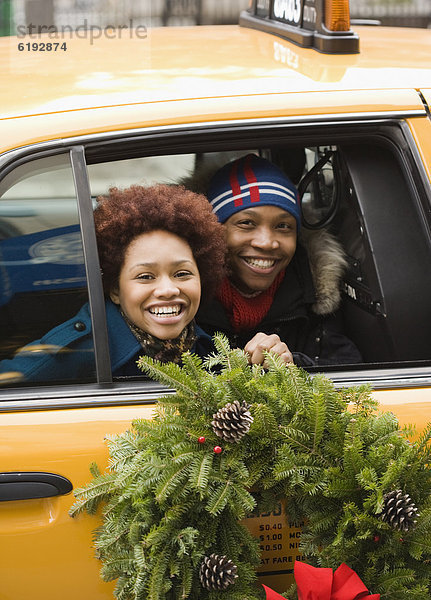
(139,171)
(42,277)
(191,170)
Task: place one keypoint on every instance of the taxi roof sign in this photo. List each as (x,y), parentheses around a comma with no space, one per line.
(320,24)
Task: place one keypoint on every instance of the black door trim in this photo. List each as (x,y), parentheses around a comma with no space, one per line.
(30,485)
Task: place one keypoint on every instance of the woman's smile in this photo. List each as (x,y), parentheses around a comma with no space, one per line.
(165,310)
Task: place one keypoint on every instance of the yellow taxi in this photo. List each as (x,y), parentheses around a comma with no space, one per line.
(344,109)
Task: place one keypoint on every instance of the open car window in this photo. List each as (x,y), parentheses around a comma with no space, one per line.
(359,193)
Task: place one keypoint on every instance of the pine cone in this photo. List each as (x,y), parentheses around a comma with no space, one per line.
(232,421)
(399,510)
(217,572)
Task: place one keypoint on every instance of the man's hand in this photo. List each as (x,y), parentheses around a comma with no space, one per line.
(262,342)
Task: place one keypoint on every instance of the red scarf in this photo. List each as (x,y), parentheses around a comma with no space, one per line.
(247,313)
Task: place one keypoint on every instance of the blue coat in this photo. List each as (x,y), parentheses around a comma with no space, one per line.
(66,352)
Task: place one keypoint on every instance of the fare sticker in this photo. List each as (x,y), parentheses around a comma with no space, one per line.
(279,540)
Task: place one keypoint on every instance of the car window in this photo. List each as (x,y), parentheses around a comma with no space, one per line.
(42,276)
(358,193)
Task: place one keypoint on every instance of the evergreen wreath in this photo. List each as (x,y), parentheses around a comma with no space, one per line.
(176,488)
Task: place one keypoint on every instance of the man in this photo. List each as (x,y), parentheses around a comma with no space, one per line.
(269,301)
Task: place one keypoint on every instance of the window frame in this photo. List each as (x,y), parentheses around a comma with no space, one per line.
(96,297)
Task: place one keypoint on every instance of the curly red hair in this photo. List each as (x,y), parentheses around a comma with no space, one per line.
(125,214)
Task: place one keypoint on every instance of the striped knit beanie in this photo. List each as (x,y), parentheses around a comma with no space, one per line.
(252,181)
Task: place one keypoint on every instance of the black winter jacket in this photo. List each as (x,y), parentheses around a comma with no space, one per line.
(313,339)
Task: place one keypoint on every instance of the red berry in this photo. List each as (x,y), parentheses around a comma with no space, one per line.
(217,449)
(376,538)
(201,440)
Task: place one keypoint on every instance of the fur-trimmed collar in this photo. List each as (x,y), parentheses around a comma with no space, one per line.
(325,253)
(327,264)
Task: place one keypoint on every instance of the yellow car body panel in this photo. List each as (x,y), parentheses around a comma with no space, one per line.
(35,532)
(427,95)
(198,75)
(411,406)
(202,62)
(32,130)
(421,130)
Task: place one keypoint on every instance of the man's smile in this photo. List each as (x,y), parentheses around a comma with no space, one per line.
(260,263)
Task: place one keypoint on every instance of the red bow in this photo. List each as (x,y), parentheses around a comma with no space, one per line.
(322,584)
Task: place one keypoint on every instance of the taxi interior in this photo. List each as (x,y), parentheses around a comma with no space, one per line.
(360,182)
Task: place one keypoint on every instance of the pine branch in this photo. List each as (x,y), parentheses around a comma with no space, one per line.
(159,583)
(118,566)
(422,446)
(186,581)
(123,588)
(219,498)
(200,471)
(221,344)
(243,501)
(185,540)
(229,359)
(368,479)
(139,585)
(193,365)
(174,477)
(395,579)
(110,535)
(169,374)
(297,383)
(139,555)
(293,437)
(264,424)
(316,416)
(90,496)
(122,448)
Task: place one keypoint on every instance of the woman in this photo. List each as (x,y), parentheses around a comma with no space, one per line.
(160,248)
(269,301)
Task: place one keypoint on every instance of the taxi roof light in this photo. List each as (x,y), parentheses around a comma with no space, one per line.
(337,15)
(320,24)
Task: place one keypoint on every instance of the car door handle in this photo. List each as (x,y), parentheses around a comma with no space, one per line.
(29,485)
